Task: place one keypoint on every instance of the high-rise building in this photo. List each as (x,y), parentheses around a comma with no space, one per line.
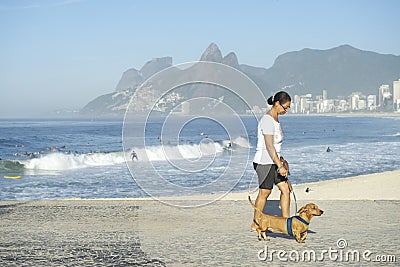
(371,102)
(358,101)
(396,91)
(384,94)
(324,95)
(354,99)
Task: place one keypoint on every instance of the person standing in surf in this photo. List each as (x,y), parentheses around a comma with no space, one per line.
(268,162)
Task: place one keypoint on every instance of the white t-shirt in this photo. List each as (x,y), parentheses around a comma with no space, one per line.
(267,126)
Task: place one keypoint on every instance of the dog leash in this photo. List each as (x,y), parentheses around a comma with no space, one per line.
(292,191)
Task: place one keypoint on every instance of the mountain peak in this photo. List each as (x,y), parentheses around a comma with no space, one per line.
(346,46)
(130,79)
(346,49)
(155,65)
(212,53)
(231,60)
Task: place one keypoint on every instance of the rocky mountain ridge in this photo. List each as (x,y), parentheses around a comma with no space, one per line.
(340,71)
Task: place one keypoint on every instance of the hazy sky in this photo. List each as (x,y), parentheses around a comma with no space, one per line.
(61,54)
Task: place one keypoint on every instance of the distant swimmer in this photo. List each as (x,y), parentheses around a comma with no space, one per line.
(134,155)
(329,149)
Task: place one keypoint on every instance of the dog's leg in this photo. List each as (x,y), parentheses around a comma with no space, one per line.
(297,236)
(259,234)
(303,237)
(264,235)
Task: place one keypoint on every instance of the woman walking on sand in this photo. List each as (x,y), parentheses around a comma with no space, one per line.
(268,162)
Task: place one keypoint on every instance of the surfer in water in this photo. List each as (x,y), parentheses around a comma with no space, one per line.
(134,155)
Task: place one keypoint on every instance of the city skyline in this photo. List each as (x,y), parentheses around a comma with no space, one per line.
(386,99)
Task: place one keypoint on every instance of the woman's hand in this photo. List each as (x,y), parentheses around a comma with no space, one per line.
(283,171)
(284,163)
(285,166)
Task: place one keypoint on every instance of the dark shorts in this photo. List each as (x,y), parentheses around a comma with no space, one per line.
(268,175)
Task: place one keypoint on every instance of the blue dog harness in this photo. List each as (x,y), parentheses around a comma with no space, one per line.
(289,223)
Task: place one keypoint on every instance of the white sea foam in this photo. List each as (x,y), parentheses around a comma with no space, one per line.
(60,161)
(186,151)
(393,135)
(241,141)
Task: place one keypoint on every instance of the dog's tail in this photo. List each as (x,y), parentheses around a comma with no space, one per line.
(254,206)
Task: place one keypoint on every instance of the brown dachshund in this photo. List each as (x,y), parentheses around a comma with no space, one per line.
(296,226)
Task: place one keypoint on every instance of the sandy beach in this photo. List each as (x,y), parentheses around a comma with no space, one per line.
(359,227)
(378,186)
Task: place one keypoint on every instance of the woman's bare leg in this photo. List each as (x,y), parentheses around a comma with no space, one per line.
(284,199)
(261,200)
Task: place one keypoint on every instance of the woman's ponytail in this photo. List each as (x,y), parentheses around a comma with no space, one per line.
(281,96)
(270,100)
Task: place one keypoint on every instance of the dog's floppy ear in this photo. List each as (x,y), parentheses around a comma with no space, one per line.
(303,209)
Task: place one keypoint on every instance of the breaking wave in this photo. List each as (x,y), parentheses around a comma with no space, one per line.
(59,161)
(62,161)
(189,151)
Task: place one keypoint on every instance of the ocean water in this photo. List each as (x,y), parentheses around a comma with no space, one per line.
(86,159)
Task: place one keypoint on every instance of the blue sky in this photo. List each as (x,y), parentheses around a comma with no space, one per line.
(61,54)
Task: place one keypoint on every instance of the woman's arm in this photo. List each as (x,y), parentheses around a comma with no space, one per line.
(269,143)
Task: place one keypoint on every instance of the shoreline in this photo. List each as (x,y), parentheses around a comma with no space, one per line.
(376,186)
(349,114)
(362,187)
